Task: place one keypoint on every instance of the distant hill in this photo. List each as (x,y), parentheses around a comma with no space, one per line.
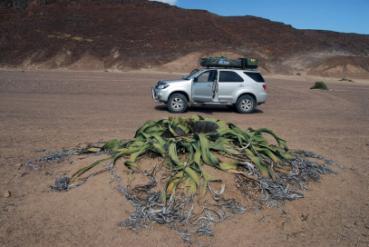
(132,34)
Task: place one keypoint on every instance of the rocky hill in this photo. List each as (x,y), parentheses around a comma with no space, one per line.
(132,34)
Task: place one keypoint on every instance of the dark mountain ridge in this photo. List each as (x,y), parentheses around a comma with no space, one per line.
(132,34)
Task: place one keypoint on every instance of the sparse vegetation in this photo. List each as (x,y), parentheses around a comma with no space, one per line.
(346,79)
(320,85)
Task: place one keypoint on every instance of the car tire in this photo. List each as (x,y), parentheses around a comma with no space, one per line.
(177,103)
(245,104)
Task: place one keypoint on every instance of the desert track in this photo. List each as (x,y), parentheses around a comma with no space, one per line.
(51,110)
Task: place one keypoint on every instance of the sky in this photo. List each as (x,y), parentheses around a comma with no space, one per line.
(350,16)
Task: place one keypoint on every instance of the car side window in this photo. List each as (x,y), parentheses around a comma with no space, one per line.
(213,75)
(229,76)
(207,76)
(255,76)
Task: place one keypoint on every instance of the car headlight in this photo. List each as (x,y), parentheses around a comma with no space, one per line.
(162,86)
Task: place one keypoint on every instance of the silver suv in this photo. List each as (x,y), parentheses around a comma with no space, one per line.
(242,88)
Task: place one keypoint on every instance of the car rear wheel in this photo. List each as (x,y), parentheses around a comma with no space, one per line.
(245,104)
(177,103)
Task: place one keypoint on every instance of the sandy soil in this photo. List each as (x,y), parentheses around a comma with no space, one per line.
(46,111)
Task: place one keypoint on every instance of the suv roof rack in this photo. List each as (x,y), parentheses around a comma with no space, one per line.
(220,67)
(223,62)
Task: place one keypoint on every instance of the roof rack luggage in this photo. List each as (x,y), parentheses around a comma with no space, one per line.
(223,62)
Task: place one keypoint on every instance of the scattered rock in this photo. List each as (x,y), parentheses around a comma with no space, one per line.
(7,194)
(61,183)
(348,226)
(24,174)
(304,217)
(47,173)
(346,79)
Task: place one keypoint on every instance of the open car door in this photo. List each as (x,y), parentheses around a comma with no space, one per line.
(204,86)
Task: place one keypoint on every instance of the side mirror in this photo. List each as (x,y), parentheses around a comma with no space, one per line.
(195,79)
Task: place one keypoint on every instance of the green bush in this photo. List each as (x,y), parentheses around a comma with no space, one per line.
(319,85)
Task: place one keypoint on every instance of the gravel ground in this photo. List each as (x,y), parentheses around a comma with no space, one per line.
(42,112)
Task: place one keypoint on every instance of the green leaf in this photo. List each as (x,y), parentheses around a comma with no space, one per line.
(190,186)
(113,145)
(281,143)
(83,170)
(206,155)
(172,153)
(228,166)
(257,162)
(193,175)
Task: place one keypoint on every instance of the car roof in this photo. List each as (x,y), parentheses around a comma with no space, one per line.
(231,69)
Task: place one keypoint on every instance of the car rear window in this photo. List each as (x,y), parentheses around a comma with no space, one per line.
(255,76)
(229,76)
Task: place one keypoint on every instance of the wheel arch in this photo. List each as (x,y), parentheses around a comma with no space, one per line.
(246,93)
(181,92)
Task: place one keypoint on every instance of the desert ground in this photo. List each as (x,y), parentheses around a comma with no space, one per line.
(41,112)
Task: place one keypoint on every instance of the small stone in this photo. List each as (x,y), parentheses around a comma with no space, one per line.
(347,226)
(7,194)
(61,183)
(304,217)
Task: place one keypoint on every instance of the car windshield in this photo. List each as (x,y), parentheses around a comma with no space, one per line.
(191,75)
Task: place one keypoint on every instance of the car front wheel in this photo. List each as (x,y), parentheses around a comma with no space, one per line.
(177,103)
(246,104)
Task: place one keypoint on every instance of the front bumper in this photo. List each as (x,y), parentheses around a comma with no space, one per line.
(154,95)
(159,95)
